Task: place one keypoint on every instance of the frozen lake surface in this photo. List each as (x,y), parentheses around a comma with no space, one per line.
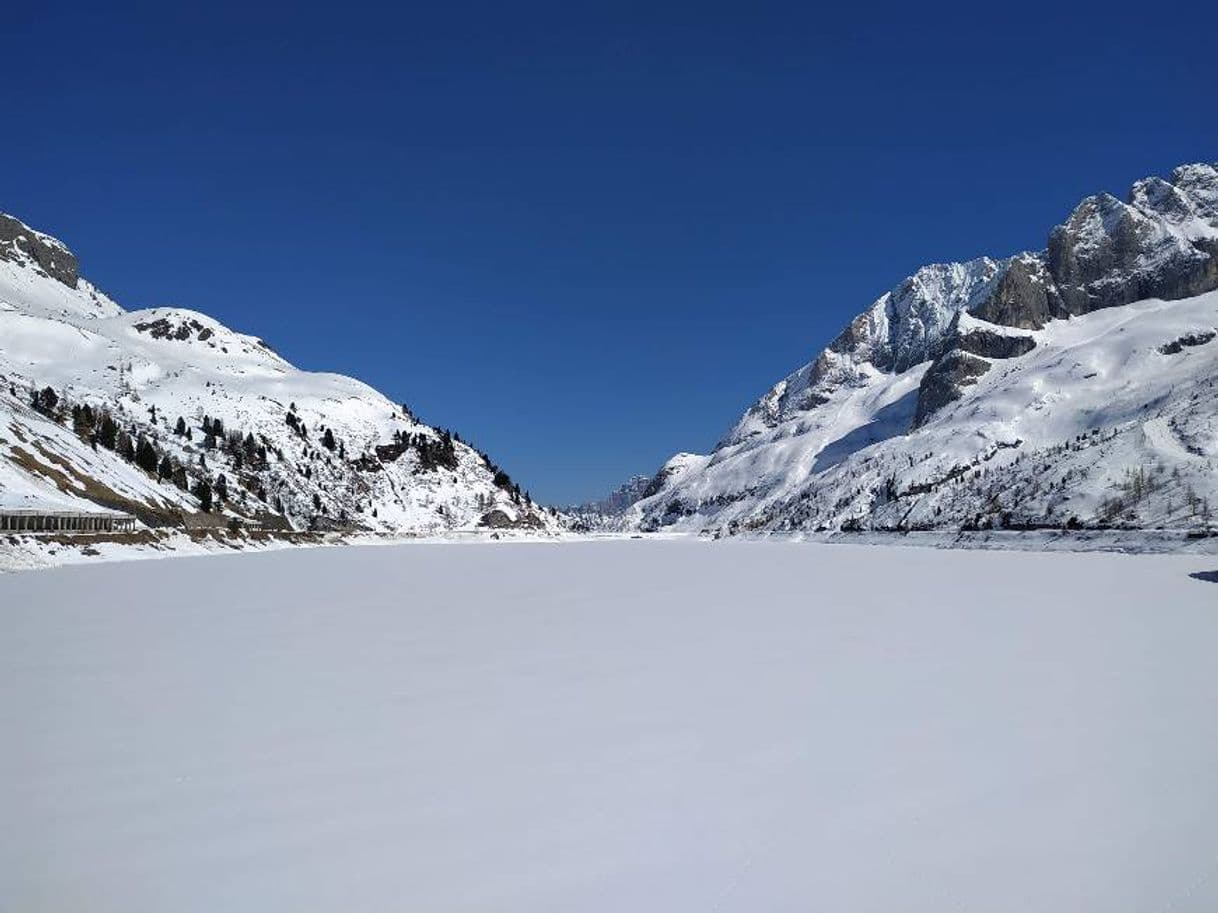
(612,726)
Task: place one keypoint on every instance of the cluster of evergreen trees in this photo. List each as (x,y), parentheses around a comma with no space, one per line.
(245,451)
(45,401)
(102,428)
(139,445)
(504,481)
(433,452)
(98,427)
(295,423)
(213,432)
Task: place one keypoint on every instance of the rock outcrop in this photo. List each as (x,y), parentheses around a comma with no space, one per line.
(1024,297)
(1110,253)
(968,355)
(20,243)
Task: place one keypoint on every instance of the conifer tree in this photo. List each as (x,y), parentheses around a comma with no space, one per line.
(45,401)
(107,432)
(82,421)
(203,493)
(126,447)
(146,456)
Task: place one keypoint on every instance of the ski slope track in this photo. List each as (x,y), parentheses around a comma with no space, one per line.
(1075,387)
(279,450)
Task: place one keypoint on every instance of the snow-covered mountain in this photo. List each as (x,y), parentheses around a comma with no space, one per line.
(608,512)
(1073,386)
(168,415)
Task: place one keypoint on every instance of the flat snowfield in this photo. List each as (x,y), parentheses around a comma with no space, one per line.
(611,726)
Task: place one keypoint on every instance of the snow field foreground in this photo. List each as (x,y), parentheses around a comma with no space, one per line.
(612,725)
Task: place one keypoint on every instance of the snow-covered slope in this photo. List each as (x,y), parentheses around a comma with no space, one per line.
(673,726)
(290,449)
(1071,386)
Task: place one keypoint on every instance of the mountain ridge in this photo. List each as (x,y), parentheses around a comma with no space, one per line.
(241,437)
(929,343)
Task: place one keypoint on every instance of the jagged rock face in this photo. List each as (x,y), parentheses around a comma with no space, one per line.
(904,327)
(968,354)
(19,242)
(945,382)
(1163,243)
(1110,253)
(1024,297)
(994,345)
(920,309)
(1198,183)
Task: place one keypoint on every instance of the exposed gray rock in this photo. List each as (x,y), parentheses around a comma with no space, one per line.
(943,383)
(20,242)
(989,344)
(1163,243)
(658,481)
(962,363)
(918,312)
(904,327)
(163,328)
(1110,253)
(1176,346)
(499,519)
(1199,182)
(1024,297)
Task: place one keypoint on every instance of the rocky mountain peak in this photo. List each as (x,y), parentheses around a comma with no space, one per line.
(1200,183)
(50,256)
(928,347)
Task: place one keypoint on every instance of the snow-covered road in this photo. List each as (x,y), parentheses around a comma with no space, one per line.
(611,726)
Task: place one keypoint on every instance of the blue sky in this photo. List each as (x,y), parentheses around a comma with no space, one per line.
(585,238)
